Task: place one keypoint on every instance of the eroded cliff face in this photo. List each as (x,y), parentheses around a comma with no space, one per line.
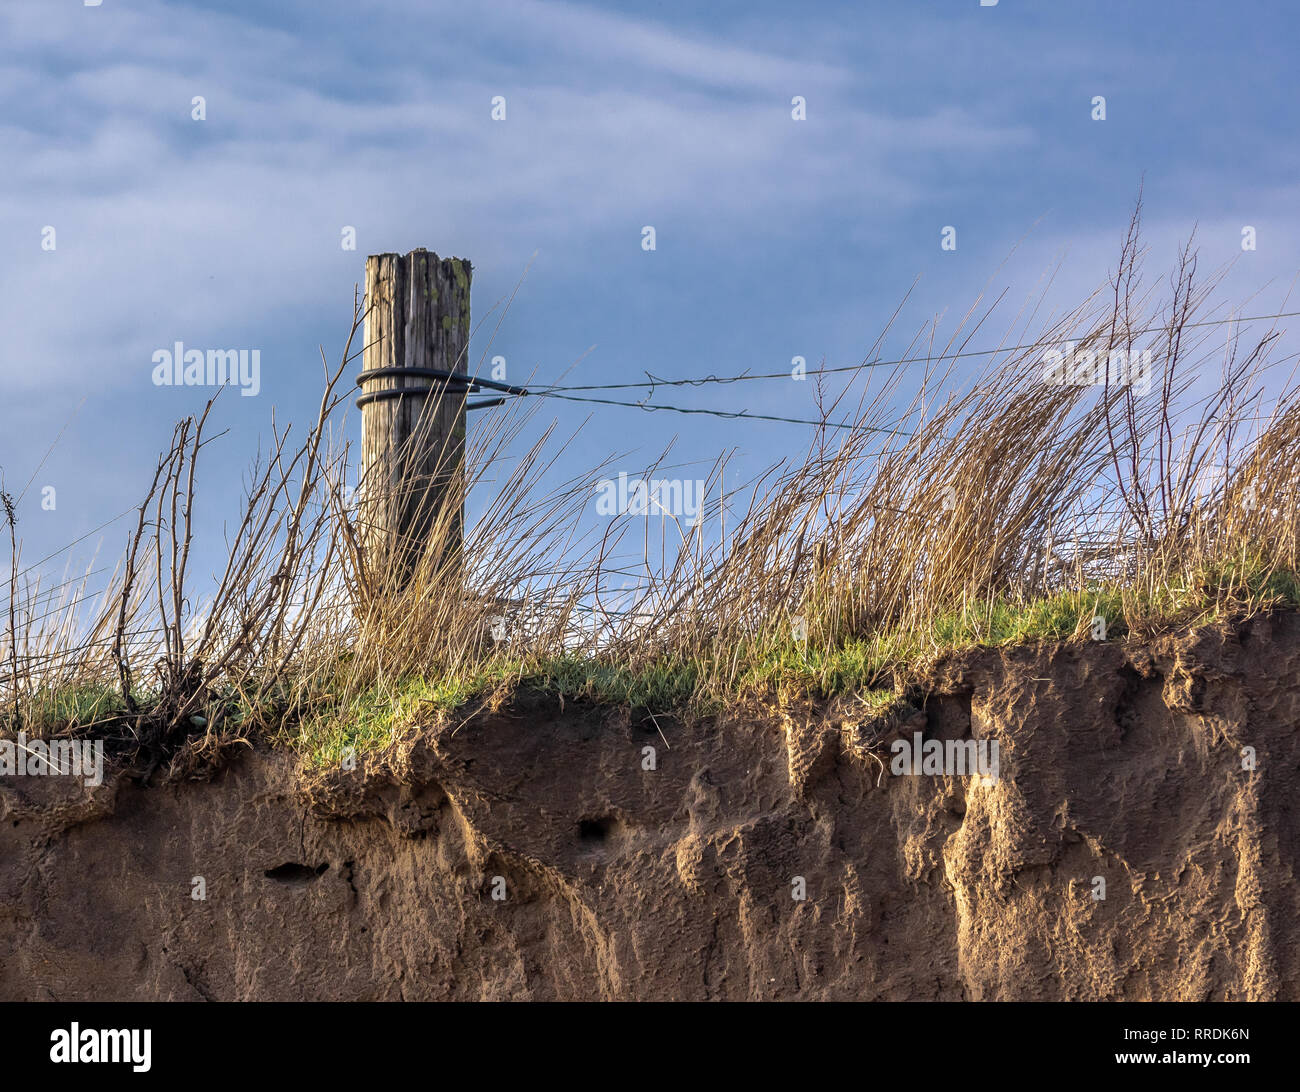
(1123,762)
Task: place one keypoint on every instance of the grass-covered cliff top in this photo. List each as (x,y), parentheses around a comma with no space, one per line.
(1018,507)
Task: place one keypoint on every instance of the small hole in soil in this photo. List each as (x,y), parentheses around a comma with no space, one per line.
(594,830)
(292,872)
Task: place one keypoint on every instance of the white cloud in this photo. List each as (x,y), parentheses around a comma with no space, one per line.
(164,222)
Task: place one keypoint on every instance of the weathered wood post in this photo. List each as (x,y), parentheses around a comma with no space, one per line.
(412,488)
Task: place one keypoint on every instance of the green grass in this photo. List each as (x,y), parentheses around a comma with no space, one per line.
(372,719)
(780,671)
(375,718)
(69,707)
(773,672)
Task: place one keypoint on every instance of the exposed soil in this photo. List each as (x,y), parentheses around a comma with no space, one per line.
(1119,761)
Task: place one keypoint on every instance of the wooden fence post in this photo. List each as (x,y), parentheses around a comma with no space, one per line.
(412,488)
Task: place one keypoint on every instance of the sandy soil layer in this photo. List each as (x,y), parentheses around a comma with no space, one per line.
(531,853)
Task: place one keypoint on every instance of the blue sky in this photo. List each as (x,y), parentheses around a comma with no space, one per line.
(775,238)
